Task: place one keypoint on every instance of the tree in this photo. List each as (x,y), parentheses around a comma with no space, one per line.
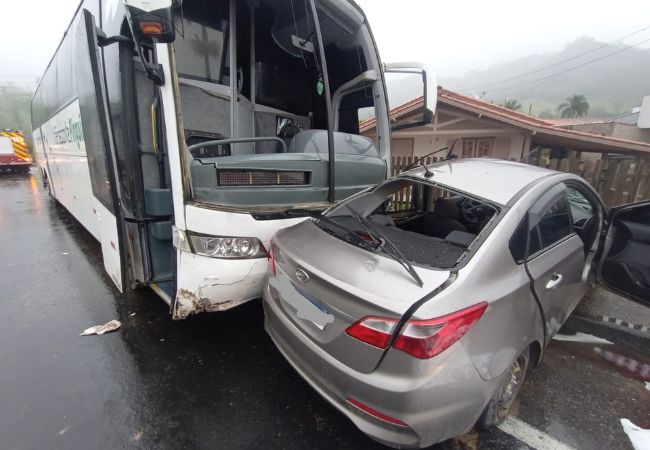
(512,104)
(575,106)
(15,108)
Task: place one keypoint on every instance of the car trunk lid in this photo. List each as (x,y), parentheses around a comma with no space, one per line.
(324,285)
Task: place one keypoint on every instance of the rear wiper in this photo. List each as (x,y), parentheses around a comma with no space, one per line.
(349,232)
(395,253)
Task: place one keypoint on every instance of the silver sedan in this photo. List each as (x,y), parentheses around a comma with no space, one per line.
(417,307)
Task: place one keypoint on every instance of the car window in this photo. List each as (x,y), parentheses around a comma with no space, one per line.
(518,241)
(552,225)
(581,208)
(555,224)
(534,241)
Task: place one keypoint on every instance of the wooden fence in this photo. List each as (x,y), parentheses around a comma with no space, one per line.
(618,179)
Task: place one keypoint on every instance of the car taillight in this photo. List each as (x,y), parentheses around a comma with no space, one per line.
(271,258)
(420,338)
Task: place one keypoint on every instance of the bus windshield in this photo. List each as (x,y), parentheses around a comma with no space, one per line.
(272,138)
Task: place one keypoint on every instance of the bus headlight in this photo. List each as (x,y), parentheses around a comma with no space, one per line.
(227,247)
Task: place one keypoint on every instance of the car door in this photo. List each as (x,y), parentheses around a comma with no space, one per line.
(624,264)
(556,257)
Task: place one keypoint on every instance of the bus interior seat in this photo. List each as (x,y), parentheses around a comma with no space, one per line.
(272,123)
(315,141)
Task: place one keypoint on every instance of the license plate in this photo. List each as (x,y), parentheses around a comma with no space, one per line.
(305,309)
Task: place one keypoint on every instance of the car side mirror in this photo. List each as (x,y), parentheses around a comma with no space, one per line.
(411,83)
(152,20)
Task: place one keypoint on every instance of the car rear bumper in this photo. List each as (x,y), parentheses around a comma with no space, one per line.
(435,405)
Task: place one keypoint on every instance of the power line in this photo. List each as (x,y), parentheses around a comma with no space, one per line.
(568,70)
(542,69)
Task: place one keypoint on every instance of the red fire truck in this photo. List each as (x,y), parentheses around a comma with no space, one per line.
(14,153)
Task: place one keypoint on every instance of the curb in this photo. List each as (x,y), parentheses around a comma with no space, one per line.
(623,336)
(623,323)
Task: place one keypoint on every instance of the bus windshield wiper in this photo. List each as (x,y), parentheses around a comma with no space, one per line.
(394,252)
(348,232)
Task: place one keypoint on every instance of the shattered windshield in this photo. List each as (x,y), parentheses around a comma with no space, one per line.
(268,145)
(431,226)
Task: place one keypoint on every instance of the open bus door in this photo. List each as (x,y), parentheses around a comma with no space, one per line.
(100,148)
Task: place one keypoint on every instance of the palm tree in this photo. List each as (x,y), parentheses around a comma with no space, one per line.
(512,104)
(575,106)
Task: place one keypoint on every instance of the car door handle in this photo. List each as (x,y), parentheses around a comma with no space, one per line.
(554,281)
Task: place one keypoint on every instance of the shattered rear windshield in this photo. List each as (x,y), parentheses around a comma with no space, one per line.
(431,226)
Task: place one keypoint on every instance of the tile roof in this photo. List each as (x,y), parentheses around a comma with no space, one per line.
(565,122)
(517,119)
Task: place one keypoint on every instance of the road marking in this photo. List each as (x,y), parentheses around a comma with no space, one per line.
(530,435)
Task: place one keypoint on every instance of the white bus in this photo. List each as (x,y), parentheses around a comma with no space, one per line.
(182,135)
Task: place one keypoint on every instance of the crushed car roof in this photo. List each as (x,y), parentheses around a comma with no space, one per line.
(496,180)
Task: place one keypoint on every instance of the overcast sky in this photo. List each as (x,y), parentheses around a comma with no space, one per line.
(454,36)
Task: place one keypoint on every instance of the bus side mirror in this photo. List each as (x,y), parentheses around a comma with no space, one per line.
(152,20)
(411,83)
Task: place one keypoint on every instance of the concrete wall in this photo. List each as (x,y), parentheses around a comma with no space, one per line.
(506,146)
(454,124)
(613,129)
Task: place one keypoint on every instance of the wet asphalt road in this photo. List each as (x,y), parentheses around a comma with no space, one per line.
(212,381)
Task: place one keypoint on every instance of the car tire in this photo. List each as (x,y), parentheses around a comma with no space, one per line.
(498,407)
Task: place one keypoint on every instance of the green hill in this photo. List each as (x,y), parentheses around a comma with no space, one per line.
(15,108)
(613,85)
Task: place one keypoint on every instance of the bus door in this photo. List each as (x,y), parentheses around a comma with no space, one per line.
(100,148)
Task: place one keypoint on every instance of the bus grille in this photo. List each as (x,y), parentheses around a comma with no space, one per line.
(237,177)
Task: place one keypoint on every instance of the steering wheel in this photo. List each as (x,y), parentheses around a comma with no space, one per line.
(472,211)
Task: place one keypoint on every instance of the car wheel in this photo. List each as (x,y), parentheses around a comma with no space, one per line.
(499,405)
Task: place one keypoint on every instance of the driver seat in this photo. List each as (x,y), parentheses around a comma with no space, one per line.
(444,218)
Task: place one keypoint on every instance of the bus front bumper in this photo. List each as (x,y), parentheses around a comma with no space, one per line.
(209,284)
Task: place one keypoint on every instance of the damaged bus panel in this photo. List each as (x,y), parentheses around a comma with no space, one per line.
(183,135)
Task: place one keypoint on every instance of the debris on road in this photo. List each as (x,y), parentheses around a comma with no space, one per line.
(101,329)
(639,437)
(581,337)
(647,385)
(638,369)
